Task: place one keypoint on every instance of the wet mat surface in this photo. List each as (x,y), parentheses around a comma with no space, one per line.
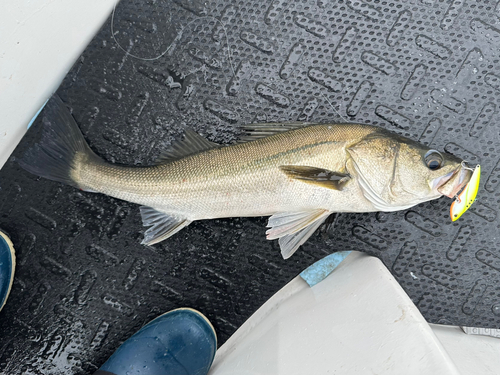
(428,70)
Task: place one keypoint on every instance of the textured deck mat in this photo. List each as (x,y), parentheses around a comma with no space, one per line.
(427,69)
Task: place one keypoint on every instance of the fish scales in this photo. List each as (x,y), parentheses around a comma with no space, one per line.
(238,180)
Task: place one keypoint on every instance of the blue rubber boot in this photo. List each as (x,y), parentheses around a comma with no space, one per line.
(179,342)
(7,267)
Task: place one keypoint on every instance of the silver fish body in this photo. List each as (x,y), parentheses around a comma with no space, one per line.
(239,180)
(298,174)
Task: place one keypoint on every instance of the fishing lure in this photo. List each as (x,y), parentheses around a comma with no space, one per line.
(468,195)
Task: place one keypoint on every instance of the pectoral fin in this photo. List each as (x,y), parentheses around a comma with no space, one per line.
(162,225)
(317,176)
(294,228)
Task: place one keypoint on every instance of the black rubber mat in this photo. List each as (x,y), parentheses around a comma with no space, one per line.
(427,69)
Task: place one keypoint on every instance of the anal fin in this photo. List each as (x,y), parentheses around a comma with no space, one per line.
(294,228)
(162,225)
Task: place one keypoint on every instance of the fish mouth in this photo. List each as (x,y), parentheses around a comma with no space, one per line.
(451,183)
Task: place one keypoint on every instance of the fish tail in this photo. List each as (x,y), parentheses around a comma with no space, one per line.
(61,149)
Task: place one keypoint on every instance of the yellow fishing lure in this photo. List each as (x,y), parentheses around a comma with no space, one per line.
(465,199)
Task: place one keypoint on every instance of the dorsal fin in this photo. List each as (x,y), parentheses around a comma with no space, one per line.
(251,132)
(191,143)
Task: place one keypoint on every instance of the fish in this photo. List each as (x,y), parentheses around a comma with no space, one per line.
(296,173)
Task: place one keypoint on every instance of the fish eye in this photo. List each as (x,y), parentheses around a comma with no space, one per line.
(433,159)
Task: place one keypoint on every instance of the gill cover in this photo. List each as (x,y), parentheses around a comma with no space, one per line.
(375,161)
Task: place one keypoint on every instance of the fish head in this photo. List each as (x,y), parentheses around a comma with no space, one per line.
(395,172)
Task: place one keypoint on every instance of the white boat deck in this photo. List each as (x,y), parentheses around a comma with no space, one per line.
(356,321)
(39,42)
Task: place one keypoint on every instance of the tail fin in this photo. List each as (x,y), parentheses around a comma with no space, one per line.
(54,156)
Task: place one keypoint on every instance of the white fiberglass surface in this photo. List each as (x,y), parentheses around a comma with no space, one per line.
(356,321)
(39,42)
